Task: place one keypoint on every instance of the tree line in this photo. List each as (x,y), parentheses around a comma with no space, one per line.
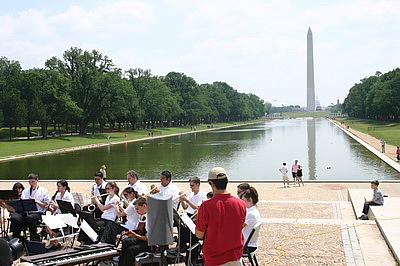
(376,97)
(85,87)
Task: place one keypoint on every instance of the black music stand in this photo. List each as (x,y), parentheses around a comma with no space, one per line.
(8,194)
(186,235)
(66,207)
(23,205)
(88,217)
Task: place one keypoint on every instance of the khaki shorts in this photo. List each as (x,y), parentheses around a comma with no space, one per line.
(285,178)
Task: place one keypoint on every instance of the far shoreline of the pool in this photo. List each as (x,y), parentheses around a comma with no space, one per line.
(98,145)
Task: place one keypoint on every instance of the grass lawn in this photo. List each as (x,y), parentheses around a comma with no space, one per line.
(17,147)
(389,131)
(306,114)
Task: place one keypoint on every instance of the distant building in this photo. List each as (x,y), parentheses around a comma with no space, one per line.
(318,105)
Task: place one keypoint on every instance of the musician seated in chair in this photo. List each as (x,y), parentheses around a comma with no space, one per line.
(112,229)
(109,210)
(18,187)
(134,182)
(137,241)
(167,188)
(32,219)
(63,193)
(99,188)
(191,204)
(250,198)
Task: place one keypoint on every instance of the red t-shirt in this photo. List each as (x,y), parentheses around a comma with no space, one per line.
(222,219)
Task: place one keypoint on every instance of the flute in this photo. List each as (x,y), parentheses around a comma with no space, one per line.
(101,195)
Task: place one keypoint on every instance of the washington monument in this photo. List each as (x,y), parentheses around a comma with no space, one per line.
(310,73)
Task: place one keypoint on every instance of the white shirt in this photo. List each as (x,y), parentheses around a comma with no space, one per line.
(197,199)
(284,171)
(40,193)
(111,213)
(67,197)
(172,190)
(139,187)
(132,217)
(252,217)
(95,188)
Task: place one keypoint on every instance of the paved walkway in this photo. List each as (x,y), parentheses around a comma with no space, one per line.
(310,225)
(373,145)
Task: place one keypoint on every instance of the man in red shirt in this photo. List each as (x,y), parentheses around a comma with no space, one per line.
(220,222)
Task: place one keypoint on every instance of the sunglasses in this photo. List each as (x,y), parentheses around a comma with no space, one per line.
(126,194)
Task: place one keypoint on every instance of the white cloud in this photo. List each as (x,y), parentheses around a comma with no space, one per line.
(255,45)
(33,35)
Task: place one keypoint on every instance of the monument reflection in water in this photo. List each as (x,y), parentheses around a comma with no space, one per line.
(311,149)
(254,152)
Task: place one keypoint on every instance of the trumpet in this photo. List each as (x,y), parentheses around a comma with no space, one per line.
(152,188)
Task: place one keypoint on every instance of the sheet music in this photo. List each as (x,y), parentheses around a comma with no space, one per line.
(189,223)
(78,198)
(69,219)
(53,222)
(89,231)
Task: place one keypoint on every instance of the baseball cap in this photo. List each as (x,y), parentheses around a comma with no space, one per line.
(217,173)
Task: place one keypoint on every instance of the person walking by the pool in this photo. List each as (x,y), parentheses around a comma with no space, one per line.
(285,177)
(398,153)
(294,171)
(299,175)
(383,144)
(103,171)
(377,199)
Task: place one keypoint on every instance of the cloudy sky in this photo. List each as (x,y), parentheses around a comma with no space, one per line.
(256,46)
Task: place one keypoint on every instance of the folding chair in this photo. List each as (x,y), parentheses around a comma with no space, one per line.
(253,237)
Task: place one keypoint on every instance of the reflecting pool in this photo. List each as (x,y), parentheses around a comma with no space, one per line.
(253,152)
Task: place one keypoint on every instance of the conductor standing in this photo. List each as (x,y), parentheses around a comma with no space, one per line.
(220,222)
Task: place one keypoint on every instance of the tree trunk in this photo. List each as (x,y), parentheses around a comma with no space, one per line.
(28,129)
(10,133)
(44,126)
(82,128)
(101,126)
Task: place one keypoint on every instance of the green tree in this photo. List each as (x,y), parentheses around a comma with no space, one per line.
(159,103)
(267,107)
(11,104)
(86,71)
